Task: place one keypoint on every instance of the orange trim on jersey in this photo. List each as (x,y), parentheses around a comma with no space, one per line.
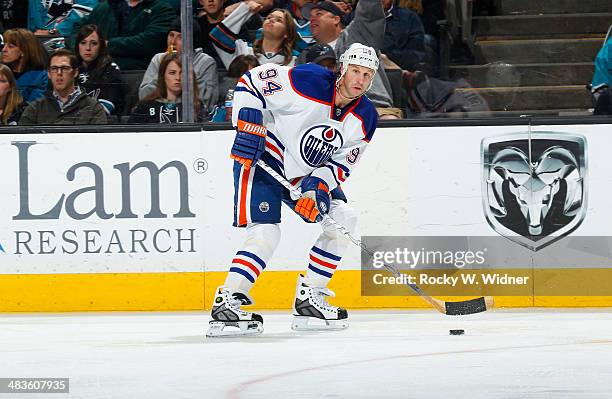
(304,95)
(244,185)
(323,263)
(350,110)
(275,149)
(365,134)
(341,174)
(244,82)
(323,187)
(253,128)
(247,264)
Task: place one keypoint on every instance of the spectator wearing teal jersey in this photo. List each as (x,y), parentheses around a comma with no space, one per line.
(57,17)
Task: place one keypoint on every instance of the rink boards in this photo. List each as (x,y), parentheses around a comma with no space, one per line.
(142,221)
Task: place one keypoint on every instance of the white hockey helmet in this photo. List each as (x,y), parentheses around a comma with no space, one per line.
(359,54)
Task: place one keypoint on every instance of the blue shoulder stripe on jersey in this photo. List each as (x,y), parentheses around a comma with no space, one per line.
(326,254)
(344,168)
(253,92)
(366,112)
(274,163)
(224,38)
(241,88)
(276,141)
(313,82)
(254,257)
(243,272)
(261,97)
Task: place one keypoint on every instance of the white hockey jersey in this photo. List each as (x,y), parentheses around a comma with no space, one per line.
(307,133)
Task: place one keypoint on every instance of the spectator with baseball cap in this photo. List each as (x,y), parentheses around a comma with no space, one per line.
(367,28)
(321,54)
(326,21)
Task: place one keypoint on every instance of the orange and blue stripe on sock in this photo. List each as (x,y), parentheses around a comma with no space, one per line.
(248,265)
(322,262)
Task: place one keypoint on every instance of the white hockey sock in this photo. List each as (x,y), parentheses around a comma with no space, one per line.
(326,253)
(323,261)
(251,260)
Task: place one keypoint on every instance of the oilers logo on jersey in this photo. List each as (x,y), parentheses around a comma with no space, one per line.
(306,134)
(319,143)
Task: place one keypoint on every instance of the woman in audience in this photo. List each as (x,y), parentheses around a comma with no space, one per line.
(24,55)
(204,68)
(276,45)
(11,102)
(99,76)
(212,12)
(164,104)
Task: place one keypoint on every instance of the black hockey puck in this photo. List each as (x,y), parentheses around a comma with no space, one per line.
(457,332)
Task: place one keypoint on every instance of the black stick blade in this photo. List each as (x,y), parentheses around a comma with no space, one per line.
(466,307)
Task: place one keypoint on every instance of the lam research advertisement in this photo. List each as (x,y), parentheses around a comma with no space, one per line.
(517,197)
(101,203)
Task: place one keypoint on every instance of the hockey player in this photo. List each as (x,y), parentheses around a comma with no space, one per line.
(312,126)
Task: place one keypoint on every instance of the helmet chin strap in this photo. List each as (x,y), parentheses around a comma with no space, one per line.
(347,97)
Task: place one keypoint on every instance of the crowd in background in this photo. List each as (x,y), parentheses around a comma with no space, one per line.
(55,53)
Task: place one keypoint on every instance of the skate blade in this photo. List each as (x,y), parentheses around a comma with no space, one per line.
(220,329)
(305,323)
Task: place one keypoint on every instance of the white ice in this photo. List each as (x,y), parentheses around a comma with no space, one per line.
(552,353)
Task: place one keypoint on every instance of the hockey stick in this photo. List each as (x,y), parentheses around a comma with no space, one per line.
(470,306)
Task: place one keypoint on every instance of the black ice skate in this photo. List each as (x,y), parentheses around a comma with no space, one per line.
(228,320)
(312,312)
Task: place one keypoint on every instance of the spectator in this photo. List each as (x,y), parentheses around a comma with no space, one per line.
(302,24)
(404,41)
(67,104)
(238,67)
(204,68)
(321,54)
(135,29)
(241,65)
(25,56)
(602,80)
(11,102)
(275,46)
(164,104)
(211,15)
(99,76)
(368,28)
(175,4)
(57,17)
(13,14)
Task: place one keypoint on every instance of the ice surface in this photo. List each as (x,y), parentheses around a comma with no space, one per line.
(552,353)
